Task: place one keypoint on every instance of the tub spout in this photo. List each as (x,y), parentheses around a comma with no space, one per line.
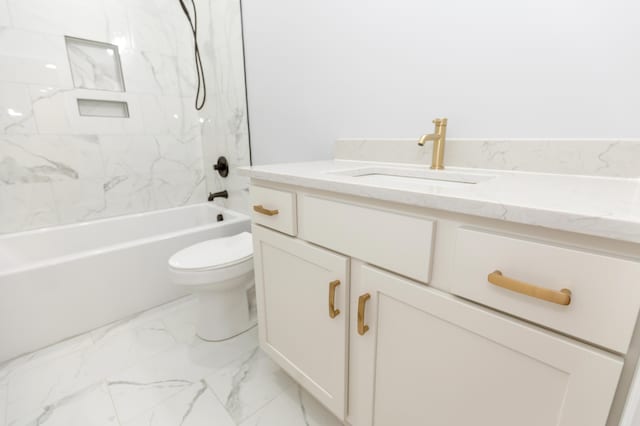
(221,194)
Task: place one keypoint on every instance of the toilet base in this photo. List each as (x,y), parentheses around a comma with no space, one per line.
(253,324)
(223,314)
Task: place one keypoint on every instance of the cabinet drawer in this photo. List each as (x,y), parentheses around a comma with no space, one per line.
(604,290)
(399,242)
(274,209)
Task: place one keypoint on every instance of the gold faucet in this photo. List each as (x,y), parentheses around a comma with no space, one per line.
(439,138)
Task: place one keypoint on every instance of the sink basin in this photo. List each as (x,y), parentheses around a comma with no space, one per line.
(401,175)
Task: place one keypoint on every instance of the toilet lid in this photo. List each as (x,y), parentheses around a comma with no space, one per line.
(213,254)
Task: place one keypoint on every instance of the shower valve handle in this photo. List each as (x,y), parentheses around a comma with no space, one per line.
(222,167)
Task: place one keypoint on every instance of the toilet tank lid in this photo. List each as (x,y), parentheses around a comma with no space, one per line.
(215,253)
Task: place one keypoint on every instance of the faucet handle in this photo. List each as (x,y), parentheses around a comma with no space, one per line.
(440,121)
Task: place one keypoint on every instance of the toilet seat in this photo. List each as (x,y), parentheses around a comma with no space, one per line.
(213,261)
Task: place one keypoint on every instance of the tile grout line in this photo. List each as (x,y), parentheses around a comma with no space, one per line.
(264,406)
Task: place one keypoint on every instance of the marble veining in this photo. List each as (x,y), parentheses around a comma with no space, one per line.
(246,385)
(150,369)
(226,111)
(592,157)
(16,112)
(21,163)
(232,399)
(58,168)
(600,206)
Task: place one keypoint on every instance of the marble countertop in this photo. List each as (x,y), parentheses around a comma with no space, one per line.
(600,206)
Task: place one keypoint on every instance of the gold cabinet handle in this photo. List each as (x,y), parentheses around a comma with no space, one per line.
(562,297)
(362,300)
(333,312)
(260,209)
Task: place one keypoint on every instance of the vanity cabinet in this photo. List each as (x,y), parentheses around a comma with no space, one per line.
(302,293)
(428,358)
(388,316)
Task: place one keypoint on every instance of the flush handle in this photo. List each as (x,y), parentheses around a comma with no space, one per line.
(333,312)
(562,297)
(362,300)
(260,209)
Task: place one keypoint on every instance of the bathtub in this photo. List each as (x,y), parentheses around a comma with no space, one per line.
(62,281)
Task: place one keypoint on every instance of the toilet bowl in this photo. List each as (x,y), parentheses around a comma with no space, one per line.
(220,273)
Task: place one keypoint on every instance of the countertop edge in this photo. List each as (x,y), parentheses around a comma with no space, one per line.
(598,226)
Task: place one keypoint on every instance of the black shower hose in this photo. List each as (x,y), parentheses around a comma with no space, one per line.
(201,91)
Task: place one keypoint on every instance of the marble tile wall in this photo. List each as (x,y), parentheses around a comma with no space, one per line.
(57,167)
(226,129)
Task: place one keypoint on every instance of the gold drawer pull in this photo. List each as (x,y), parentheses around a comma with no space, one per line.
(333,312)
(260,209)
(562,297)
(362,328)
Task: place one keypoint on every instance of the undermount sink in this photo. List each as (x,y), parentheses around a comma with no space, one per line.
(401,175)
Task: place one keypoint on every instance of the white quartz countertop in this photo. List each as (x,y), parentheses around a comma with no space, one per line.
(600,206)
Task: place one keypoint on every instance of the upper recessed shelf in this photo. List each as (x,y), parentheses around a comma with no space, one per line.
(95,65)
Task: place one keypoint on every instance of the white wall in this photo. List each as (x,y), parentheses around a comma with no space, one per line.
(330,69)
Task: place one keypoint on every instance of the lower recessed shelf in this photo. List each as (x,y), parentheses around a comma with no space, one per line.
(100,108)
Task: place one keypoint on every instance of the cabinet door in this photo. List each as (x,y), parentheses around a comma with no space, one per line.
(429,358)
(294,283)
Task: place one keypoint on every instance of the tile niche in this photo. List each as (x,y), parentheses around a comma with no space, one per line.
(95,65)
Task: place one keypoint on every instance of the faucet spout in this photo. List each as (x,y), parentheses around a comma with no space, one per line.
(439,138)
(427,137)
(221,194)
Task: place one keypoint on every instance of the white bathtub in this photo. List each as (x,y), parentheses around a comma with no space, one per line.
(62,281)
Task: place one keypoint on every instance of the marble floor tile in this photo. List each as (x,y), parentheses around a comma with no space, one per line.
(32,389)
(112,349)
(145,385)
(194,406)
(246,385)
(33,359)
(295,407)
(121,347)
(158,313)
(91,407)
(151,369)
(181,321)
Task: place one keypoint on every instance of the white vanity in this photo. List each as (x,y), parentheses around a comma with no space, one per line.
(397,295)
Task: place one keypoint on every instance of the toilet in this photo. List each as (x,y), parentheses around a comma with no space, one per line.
(220,273)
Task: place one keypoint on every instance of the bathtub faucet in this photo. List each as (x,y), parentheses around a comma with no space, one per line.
(221,194)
